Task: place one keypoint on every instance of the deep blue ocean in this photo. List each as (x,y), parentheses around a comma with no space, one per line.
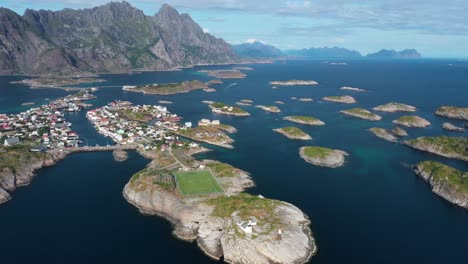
(372,210)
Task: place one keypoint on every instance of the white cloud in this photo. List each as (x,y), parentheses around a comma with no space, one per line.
(205,30)
(252,40)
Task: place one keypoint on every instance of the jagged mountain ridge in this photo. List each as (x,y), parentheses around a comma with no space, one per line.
(325,52)
(113,37)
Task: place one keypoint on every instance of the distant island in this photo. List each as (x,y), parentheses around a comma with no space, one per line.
(352,89)
(293,133)
(362,113)
(225,74)
(447,182)
(346,99)
(167,88)
(306,120)
(323,156)
(294,82)
(392,54)
(256,49)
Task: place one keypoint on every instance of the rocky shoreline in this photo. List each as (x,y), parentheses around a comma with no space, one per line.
(306,120)
(453,112)
(383,133)
(445,181)
(214,226)
(412,121)
(393,107)
(449,147)
(362,113)
(345,99)
(296,134)
(293,83)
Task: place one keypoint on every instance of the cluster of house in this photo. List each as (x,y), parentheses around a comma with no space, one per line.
(246,226)
(45,126)
(111,121)
(73,103)
(207,122)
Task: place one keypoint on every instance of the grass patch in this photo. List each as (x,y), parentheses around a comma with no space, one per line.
(197,182)
(317,152)
(444,173)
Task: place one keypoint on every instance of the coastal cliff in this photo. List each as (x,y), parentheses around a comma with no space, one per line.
(447,182)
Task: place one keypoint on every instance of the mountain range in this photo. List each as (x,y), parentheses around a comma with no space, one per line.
(256,49)
(115,37)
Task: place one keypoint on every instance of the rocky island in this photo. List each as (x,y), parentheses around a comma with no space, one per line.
(447,182)
(399,132)
(450,147)
(269,108)
(383,133)
(393,107)
(306,120)
(346,99)
(58,82)
(208,133)
(225,74)
(120,155)
(222,108)
(362,113)
(304,99)
(347,88)
(293,133)
(204,200)
(293,83)
(412,121)
(451,127)
(453,112)
(167,88)
(323,156)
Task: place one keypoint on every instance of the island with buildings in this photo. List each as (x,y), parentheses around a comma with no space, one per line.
(324,157)
(293,133)
(167,88)
(222,108)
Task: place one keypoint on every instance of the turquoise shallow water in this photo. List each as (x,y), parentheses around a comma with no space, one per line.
(372,210)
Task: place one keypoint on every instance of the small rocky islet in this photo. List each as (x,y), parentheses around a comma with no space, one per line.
(449,147)
(306,120)
(412,121)
(269,108)
(384,134)
(393,107)
(345,99)
(324,157)
(399,132)
(452,127)
(294,82)
(293,133)
(361,113)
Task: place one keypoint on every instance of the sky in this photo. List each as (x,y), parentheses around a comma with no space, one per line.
(435,28)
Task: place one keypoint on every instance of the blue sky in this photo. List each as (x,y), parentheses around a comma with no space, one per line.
(436,28)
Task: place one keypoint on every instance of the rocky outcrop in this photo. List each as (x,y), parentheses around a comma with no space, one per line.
(120,155)
(450,147)
(447,182)
(293,133)
(114,37)
(383,133)
(395,107)
(306,120)
(451,127)
(399,132)
(453,112)
(323,156)
(214,226)
(412,121)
